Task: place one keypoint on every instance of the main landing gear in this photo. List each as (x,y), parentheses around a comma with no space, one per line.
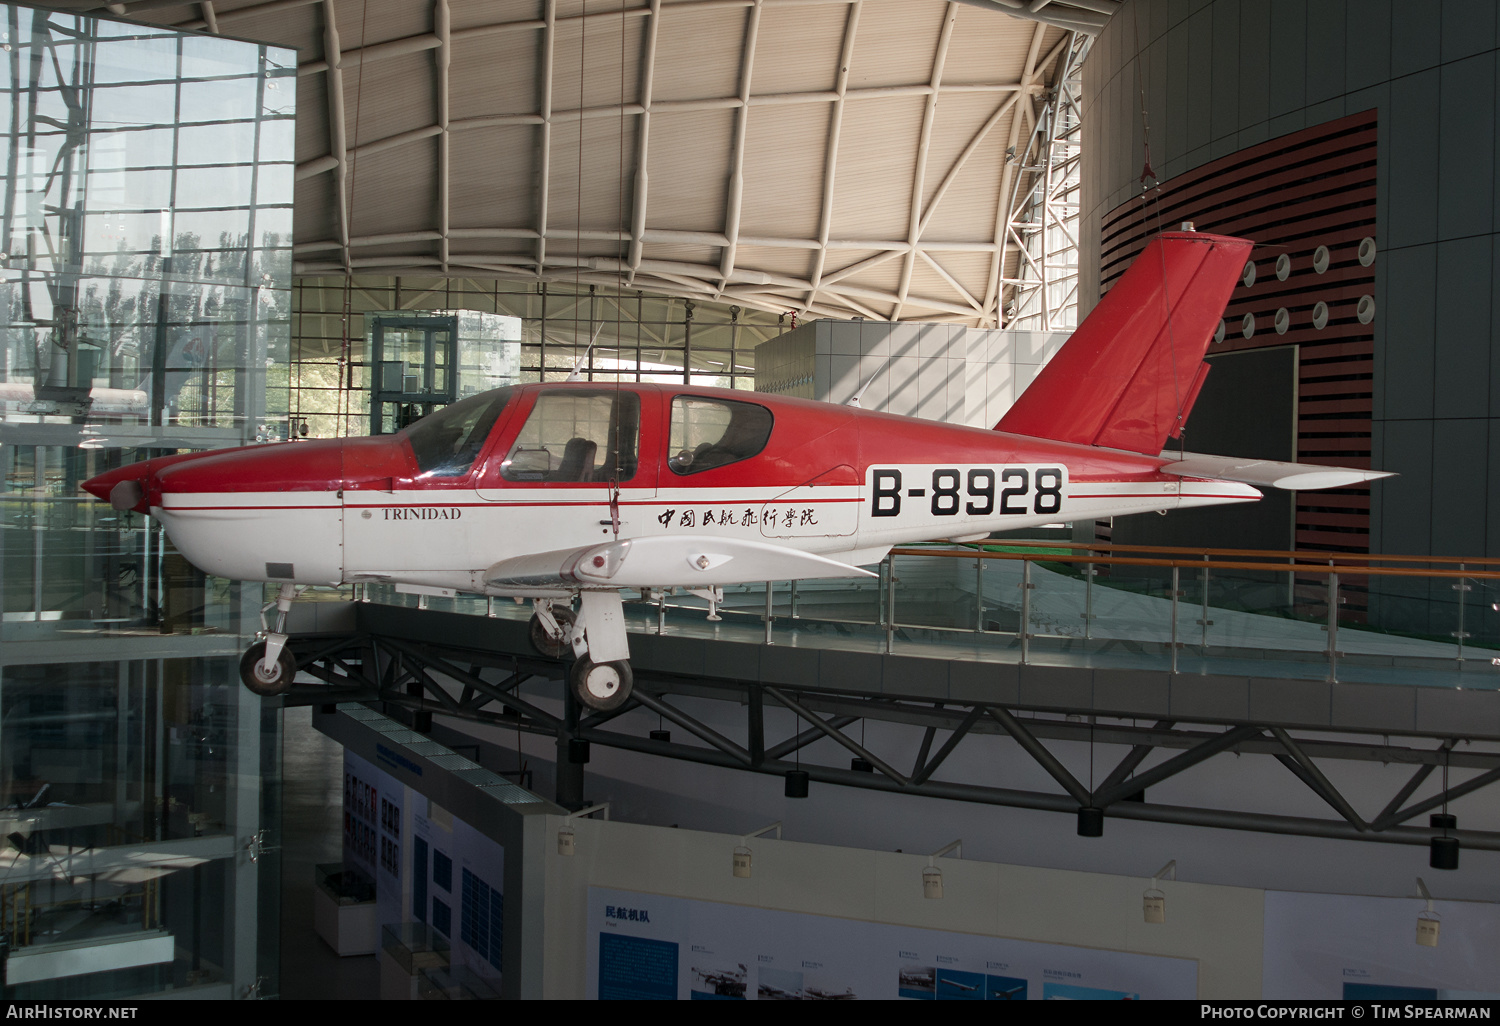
(600,675)
(267,668)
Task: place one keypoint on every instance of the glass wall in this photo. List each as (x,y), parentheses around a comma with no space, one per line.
(146,226)
(145,309)
(607,333)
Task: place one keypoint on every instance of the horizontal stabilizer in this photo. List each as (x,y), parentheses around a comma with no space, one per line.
(689,560)
(1291,477)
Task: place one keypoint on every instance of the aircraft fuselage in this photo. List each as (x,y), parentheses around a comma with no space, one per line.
(836,481)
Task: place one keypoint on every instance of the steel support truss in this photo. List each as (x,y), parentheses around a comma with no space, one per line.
(1045,204)
(483,686)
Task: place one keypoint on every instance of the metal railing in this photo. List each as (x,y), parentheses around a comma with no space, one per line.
(1361,575)
(1378,617)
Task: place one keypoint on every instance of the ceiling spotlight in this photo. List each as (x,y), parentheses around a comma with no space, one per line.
(796,783)
(1090,822)
(1442,849)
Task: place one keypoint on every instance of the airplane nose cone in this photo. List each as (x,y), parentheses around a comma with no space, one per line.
(318,465)
(98,487)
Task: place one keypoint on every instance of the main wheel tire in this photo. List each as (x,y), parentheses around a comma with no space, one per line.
(267,685)
(547,645)
(601,686)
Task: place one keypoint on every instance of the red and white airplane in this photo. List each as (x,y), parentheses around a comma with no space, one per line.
(564,492)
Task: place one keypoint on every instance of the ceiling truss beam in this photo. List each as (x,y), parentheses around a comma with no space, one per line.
(919,169)
(544,157)
(831,151)
(442,22)
(645,109)
(736,190)
(641,190)
(336,126)
(1008,182)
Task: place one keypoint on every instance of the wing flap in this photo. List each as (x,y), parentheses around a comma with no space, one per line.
(688,560)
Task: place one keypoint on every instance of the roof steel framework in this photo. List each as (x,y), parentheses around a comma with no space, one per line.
(842,158)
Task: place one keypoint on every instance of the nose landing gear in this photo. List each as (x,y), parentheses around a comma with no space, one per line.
(267,668)
(265,681)
(600,676)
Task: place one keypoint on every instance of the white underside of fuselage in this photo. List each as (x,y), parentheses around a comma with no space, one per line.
(447,538)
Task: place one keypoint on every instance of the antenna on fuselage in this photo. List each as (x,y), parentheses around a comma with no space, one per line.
(578,369)
(853,400)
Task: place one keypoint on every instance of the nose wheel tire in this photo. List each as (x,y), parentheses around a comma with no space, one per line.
(601,686)
(554,648)
(268,685)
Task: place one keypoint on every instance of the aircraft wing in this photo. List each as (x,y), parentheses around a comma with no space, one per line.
(688,560)
(1292,477)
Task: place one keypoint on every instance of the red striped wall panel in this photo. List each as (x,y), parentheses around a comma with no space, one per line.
(1292,195)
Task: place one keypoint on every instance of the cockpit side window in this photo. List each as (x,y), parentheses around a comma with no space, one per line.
(574,435)
(447,442)
(708,433)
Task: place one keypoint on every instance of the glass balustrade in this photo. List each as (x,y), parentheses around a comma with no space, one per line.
(1344,617)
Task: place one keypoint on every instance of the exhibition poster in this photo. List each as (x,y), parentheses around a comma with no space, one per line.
(650,946)
(372,831)
(1335,947)
(454,882)
(457,888)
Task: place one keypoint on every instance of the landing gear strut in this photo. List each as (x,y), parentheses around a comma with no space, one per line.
(551,628)
(267,668)
(600,676)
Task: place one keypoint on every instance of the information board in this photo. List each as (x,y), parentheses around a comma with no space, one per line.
(1349,947)
(650,946)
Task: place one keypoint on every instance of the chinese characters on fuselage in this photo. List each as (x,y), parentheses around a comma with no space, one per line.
(724,516)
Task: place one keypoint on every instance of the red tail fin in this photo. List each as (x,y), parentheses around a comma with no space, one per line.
(1129,375)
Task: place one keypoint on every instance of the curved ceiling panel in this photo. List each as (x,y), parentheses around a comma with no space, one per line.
(839,157)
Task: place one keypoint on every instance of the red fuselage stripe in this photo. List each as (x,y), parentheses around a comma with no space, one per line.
(206,509)
(510,504)
(502,503)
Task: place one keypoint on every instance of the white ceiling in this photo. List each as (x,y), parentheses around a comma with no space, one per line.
(832,157)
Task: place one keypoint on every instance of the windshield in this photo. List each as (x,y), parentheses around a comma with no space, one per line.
(447,441)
